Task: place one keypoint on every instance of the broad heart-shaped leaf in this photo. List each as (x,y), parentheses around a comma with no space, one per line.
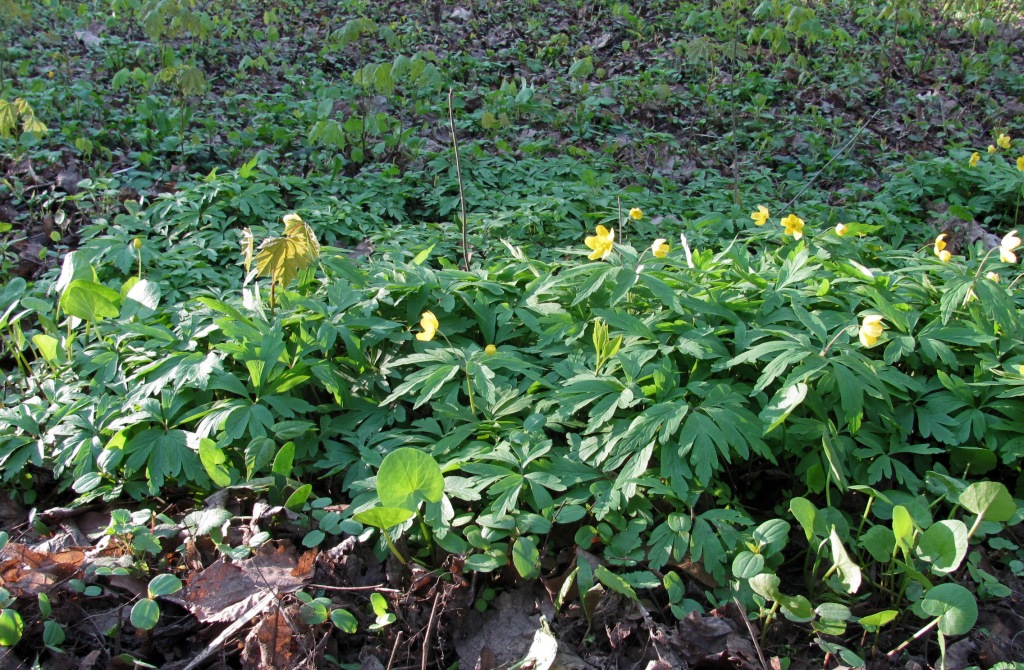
(773,535)
(954,605)
(384,517)
(990,500)
(796,608)
(283,258)
(526,557)
(90,301)
(145,614)
(944,545)
(407,476)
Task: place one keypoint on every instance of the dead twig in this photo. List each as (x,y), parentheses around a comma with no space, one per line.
(430,627)
(750,632)
(261,606)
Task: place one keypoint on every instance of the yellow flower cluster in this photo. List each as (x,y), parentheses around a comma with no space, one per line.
(1007,246)
(870,330)
(791,225)
(940,248)
(601,243)
(429,324)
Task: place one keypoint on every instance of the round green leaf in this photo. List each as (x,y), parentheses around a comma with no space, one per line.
(766,585)
(747,564)
(954,605)
(313,613)
(944,545)
(526,557)
(990,500)
(313,538)
(408,476)
(11,627)
(164,585)
(345,621)
(384,517)
(145,614)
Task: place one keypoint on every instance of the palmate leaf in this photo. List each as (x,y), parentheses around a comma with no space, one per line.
(283,258)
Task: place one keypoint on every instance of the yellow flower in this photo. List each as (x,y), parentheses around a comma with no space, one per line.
(137,243)
(975,157)
(50,74)
(429,324)
(760,217)
(1020,370)
(601,243)
(1003,140)
(1020,163)
(794,226)
(940,248)
(636,214)
(992,149)
(659,248)
(490,349)
(841,229)
(992,276)
(870,330)
(1007,246)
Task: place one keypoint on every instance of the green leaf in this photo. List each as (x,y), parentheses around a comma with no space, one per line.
(298,498)
(214,461)
(53,635)
(805,513)
(11,627)
(615,582)
(766,585)
(284,460)
(954,605)
(747,564)
(903,529)
(873,622)
(164,585)
(384,517)
(944,545)
(773,535)
(408,476)
(526,558)
(313,538)
(344,620)
(257,455)
(90,301)
(990,500)
(145,614)
(782,405)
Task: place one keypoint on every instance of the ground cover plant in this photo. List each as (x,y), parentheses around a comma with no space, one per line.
(431,334)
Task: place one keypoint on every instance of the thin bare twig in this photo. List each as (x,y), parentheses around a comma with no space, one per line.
(750,632)
(458,173)
(430,627)
(394,650)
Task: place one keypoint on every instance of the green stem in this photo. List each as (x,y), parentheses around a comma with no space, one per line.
(391,546)
(423,529)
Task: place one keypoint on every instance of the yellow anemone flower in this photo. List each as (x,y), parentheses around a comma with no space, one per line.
(601,243)
(1003,140)
(940,248)
(490,349)
(992,149)
(1020,370)
(760,217)
(870,330)
(1020,163)
(636,214)
(841,229)
(794,226)
(429,324)
(992,276)
(1007,246)
(659,248)
(975,157)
